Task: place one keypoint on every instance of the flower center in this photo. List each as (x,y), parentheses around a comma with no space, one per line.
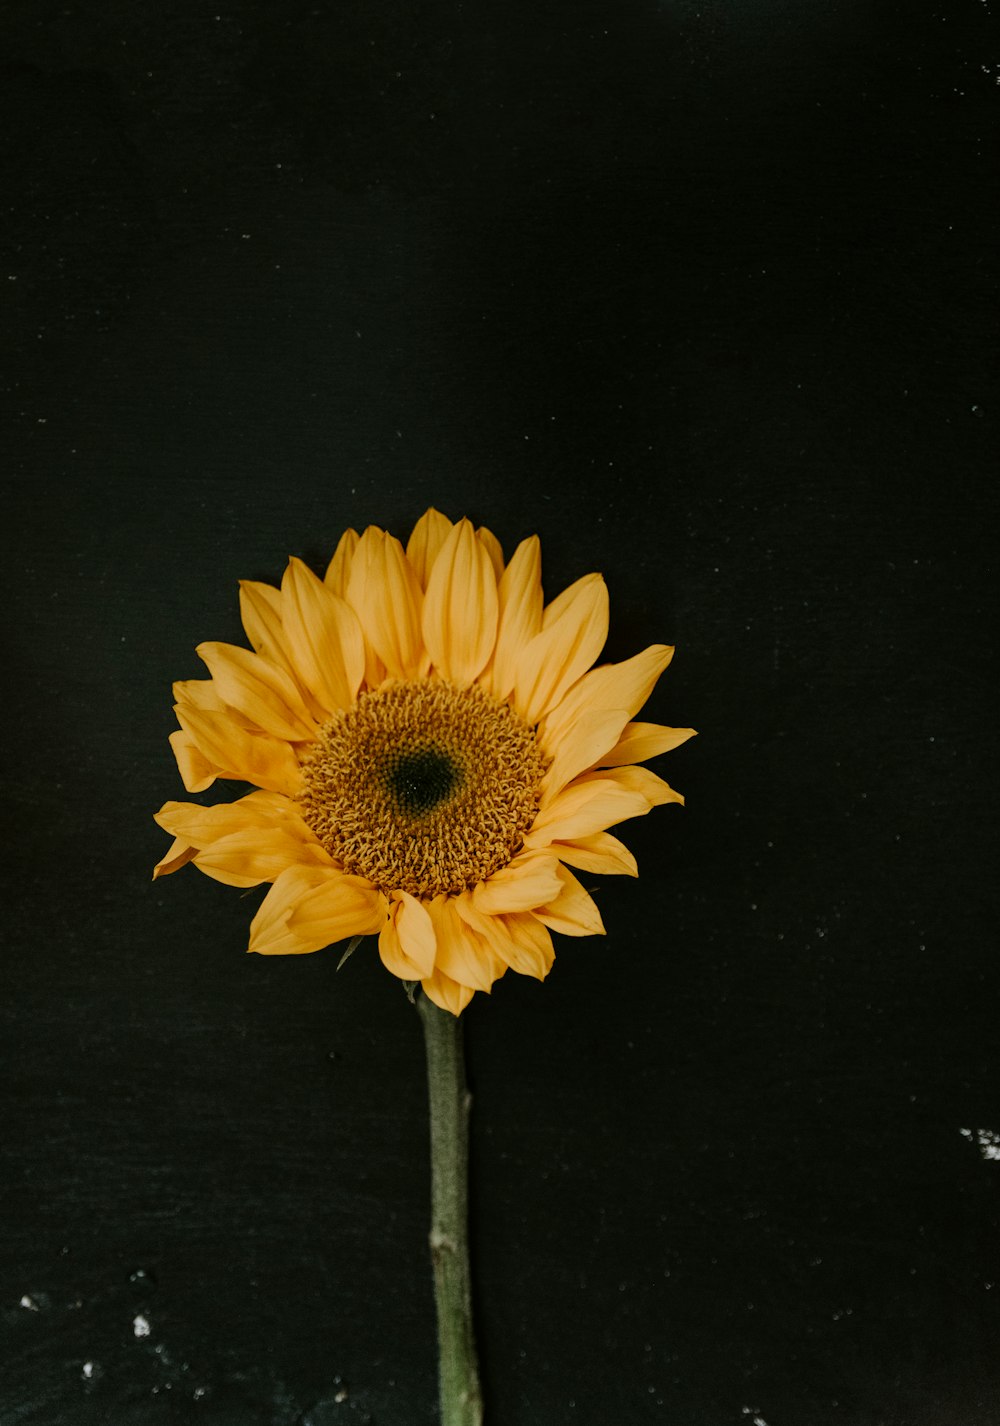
(420,779)
(423,787)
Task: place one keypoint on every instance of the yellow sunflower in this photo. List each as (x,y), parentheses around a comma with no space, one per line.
(432,752)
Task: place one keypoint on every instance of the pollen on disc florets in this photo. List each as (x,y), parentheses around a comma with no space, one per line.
(423,787)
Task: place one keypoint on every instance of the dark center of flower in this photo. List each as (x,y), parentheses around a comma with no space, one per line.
(419,779)
(423,787)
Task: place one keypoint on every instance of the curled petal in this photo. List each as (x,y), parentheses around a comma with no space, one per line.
(573,911)
(407,943)
(460,609)
(600,852)
(582,809)
(232,751)
(519,940)
(532,943)
(581,746)
(462,955)
(567,645)
(203,693)
(269,934)
(196,771)
(308,908)
(258,689)
(617,685)
(258,854)
(640,781)
(640,741)
(526,882)
(244,842)
(446,993)
(202,826)
(341,906)
(179,855)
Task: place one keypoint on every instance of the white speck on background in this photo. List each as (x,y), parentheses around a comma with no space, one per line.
(988,1141)
(140,1326)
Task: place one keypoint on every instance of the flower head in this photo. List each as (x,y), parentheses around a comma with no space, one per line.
(432,751)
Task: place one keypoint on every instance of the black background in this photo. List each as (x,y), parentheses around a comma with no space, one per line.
(699,293)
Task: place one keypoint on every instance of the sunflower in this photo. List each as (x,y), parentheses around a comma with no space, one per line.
(431,752)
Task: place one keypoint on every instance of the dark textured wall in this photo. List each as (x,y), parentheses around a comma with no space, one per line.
(699,293)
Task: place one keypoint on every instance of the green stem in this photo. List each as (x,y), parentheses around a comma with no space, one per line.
(450,1101)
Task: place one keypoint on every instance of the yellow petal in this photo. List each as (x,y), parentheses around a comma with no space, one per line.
(572,912)
(386,593)
(196,771)
(338,571)
(534,945)
(557,607)
(640,741)
(424,545)
(202,826)
(269,934)
(582,809)
(341,906)
(258,854)
(617,685)
(446,993)
(260,610)
(520,613)
(179,855)
(564,649)
(581,746)
(361,576)
(202,693)
(244,842)
(233,752)
(259,690)
(308,908)
(324,637)
(391,953)
(407,943)
(638,780)
(526,882)
(460,608)
(493,548)
(600,852)
(518,940)
(462,955)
